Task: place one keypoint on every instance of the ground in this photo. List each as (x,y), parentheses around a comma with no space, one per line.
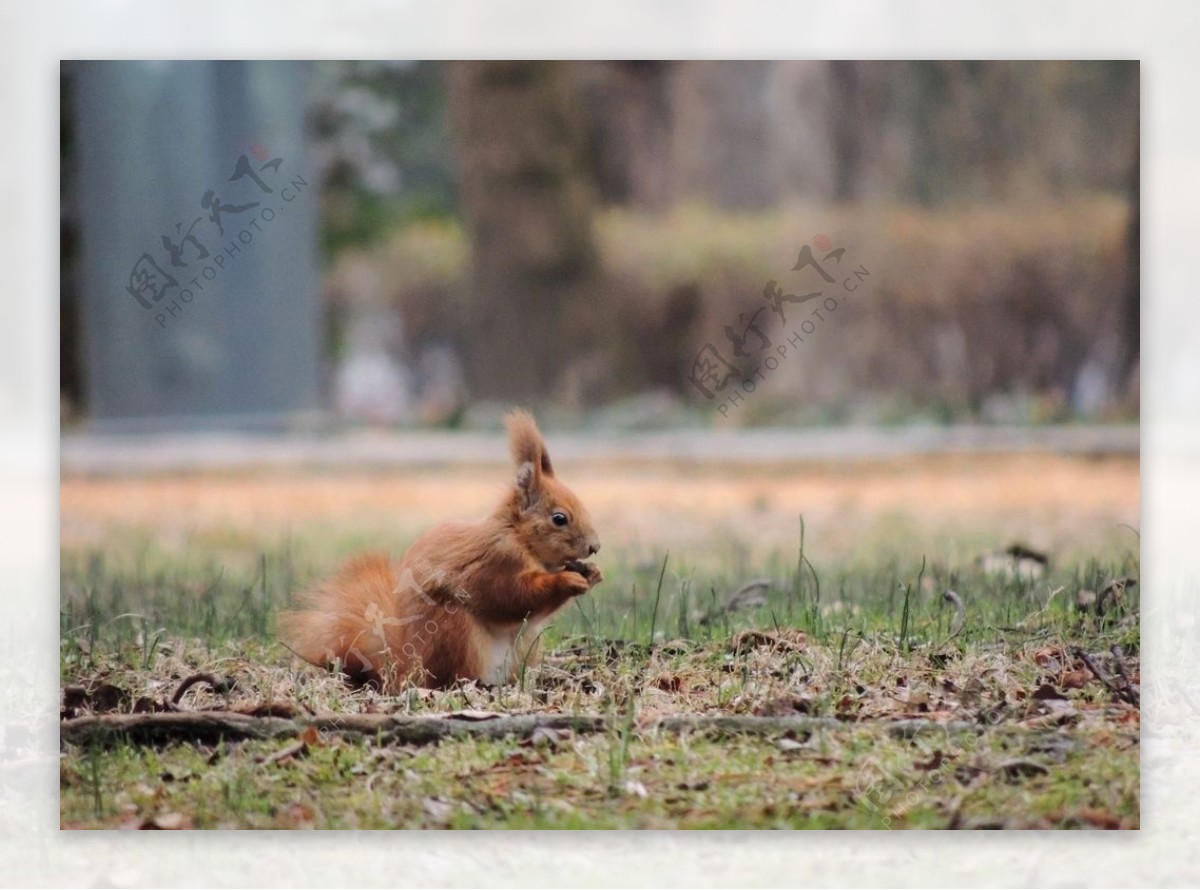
(867,698)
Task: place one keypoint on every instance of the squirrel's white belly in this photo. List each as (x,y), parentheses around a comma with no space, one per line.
(506,650)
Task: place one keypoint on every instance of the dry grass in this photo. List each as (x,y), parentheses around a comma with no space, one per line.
(1050,502)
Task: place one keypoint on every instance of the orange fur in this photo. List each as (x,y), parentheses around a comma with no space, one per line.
(468,598)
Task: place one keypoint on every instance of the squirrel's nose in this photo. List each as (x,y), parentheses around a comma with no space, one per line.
(593,549)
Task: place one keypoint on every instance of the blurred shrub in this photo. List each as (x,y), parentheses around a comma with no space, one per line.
(970,312)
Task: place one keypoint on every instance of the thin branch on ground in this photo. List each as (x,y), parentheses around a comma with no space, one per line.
(210,726)
(218,684)
(1130,691)
(1103,678)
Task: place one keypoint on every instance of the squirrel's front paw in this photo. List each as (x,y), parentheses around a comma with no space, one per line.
(589,571)
(573,583)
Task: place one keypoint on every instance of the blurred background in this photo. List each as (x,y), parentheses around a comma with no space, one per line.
(403,244)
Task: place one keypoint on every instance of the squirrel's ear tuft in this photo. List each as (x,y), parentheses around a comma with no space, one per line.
(527,486)
(526,441)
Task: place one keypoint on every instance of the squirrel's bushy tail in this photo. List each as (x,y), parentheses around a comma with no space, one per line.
(350,621)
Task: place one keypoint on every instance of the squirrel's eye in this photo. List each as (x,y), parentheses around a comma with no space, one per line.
(559,518)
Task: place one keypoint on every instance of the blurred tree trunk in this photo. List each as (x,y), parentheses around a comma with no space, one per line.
(721,151)
(527,204)
(847,127)
(629,122)
(1131,300)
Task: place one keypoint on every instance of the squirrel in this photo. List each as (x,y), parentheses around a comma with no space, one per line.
(468,599)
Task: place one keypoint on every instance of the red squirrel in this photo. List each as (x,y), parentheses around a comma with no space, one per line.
(469,599)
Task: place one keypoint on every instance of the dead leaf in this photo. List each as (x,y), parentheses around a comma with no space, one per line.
(1098,818)
(1021,769)
(73,698)
(1050,657)
(1046,692)
(296,815)
(918,699)
(1060,713)
(972,692)
(146,705)
(785,706)
(667,682)
(935,761)
(1074,679)
(105,697)
(167,822)
(1016,561)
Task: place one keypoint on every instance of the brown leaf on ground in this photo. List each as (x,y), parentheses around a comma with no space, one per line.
(162,822)
(99,697)
(1046,692)
(667,682)
(1073,679)
(1098,818)
(785,706)
(1021,769)
(1061,715)
(1051,657)
(146,705)
(296,815)
(935,761)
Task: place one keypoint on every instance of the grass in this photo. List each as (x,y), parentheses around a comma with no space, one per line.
(866,643)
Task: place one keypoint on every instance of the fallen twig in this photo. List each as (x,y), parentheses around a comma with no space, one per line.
(1132,694)
(211,726)
(218,684)
(1101,676)
(292,750)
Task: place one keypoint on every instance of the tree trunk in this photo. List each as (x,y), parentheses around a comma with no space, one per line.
(1131,300)
(527,204)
